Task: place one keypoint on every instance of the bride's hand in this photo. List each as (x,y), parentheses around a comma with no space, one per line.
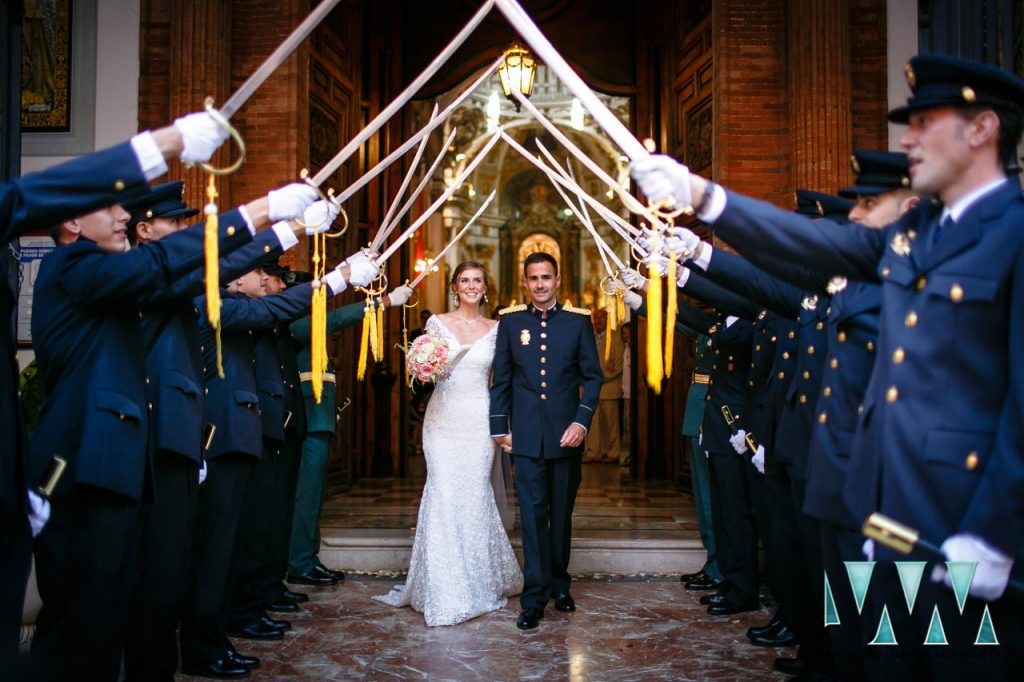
(505,442)
(573,436)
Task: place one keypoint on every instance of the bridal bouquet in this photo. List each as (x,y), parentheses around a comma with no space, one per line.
(427,358)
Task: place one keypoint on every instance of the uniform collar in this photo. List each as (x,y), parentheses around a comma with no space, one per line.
(541,311)
(959,207)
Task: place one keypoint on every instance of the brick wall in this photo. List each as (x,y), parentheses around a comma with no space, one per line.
(869,73)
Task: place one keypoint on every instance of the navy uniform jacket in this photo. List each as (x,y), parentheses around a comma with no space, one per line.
(939,445)
(270,385)
(322,418)
(539,367)
(38,201)
(170,335)
(232,403)
(728,382)
(294,408)
(86,327)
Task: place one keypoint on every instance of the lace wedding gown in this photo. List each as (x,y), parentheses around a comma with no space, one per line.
(462,563)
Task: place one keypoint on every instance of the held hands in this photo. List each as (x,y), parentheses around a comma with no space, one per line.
(319,217)
(660,177)
(737,441)
(992,572)
(399,295)
(361,268)
(504,441)
(758,459)
(290,201)
(573,436)
(201,136)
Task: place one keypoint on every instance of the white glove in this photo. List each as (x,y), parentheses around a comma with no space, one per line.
(38,512)
(633,279)
(202,473)
(758,459)
(290,201)
(319,217)
(200,135)
(362,270)
(632,299)
(700,437)
(868,549)
(681,241)
(992,572)
(738,442)
(659,177)
(400,295)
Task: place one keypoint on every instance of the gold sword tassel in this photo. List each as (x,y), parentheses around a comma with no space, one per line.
(211,252)
(670,321)
(364,341)
(318,318)
(655,368)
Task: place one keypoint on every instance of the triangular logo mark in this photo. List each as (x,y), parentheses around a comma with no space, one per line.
(936,633)
(884,636)
(986,631)
(859,573)
(961,573)
(911,573)
(831,612)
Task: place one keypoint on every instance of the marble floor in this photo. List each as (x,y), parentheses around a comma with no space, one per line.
(623,630)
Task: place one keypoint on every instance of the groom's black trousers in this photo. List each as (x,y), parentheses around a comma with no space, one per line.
(547,492)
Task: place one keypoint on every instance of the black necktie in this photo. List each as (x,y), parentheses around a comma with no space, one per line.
(942,227)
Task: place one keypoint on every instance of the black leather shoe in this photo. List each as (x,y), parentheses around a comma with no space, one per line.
(790,666)
(690,577)
(765,630)
(250,662)
(529,618)
(564,603)
(223,669)
(781,637)
(323,570)
(312,578)
(709,599)
(705,583)
(728,607)
(295,597)
(276,624)
(257,630)
(283,605)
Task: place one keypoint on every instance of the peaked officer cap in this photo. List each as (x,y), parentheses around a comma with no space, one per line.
(821,205)
(877,173)
(162,201)
(939,80)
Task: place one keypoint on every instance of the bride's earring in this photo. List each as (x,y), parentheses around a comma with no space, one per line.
(485,298)
(455,300)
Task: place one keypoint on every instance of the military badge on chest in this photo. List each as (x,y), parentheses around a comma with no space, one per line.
(900,244)
(524,337)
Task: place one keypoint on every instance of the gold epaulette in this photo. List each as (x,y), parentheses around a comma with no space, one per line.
(513,309)
(570,308)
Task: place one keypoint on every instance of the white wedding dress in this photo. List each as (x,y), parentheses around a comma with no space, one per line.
(462,562)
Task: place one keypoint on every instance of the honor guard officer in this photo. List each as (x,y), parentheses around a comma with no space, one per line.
(544,354)
(39,201)
(938,442)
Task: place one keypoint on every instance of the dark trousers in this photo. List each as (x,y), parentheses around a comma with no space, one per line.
(700,477)
(783,552)
(151,651)
(547,492)
(255,531)
(283,502)
(807,583)
(15,566)
(735,530)
(85,558)
(309,500)
(762,520)
(839,544)
(210,581)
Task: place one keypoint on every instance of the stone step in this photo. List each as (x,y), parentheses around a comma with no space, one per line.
(593,551)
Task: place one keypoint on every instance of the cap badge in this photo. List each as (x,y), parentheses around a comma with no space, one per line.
(524,337)
(809,302)
(908,71)
(900,244)
(968,94)
(905,181)
(854,164)
(821,209)
(836,284)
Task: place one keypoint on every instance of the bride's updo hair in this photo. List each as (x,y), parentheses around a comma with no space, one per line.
(462,267)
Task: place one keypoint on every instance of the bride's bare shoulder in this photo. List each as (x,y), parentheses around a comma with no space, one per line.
(491,324)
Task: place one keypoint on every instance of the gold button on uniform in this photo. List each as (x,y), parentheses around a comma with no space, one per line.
(543,384)
(807,375)
(147,381)
(892,395)
(782,375)
(119,186)
(543,396)
(785,356)
(231,230)
(120,416)
(543,324)
(266,249)
(834,364)
(150,407)
(842,337)
(885,271)
(911,319)
(972,461)
(828,391)
(898,356)
(543,347)
(757,349)
(543,335)
(792,335)
(543,372)
(956,292)
(921,283)
(803,399)
(773,339)
(810,350)
(822,418)
(543,360)
(819,326)
(870,345)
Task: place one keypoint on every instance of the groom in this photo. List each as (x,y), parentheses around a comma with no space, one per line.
(544,355)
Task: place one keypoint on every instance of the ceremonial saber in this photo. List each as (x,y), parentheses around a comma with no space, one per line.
(522,22)
(387,227)
(438,257)
(470,167)
(585,219)
(409,175)
(276,58)
(387,112)
(586,216)
(341,156)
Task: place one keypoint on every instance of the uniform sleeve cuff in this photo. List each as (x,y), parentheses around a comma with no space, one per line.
(684,275)
(335,281)
(582,427)
(147,153)
(248,220)
(704,259)
(715,206)
(284,235)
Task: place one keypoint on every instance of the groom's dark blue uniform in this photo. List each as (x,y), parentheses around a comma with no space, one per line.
(541,361)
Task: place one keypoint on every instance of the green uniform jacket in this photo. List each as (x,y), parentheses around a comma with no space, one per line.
(321,417)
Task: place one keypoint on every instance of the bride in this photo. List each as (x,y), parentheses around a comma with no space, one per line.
(462,563)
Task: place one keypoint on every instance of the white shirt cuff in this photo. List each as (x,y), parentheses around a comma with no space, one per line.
(730,320)
(704,260)
(585,429)
(716,204)
(151,161)
(248,220)
(335,281)
(684,275)
(284,235)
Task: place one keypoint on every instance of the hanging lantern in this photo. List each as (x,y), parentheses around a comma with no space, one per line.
(517,72)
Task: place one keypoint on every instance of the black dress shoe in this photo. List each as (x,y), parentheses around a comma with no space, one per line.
(728,607)
(323,570)
(223,669)
(257,630)
(781,637)
(295,597)
(250,662)
(276,624)
(312,578)
(564,603)
(690,577)
(705,583)
(709,599)
(790,666)
(762,630)
(283,605)
(529,618)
